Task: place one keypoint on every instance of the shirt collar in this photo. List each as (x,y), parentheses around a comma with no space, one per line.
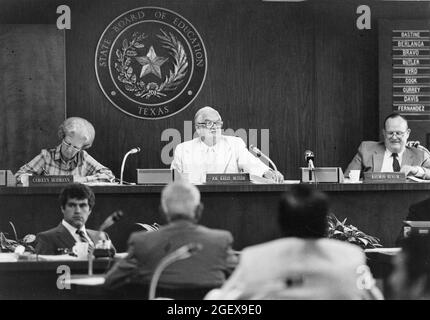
(71,228)
(388,153)
(205,148)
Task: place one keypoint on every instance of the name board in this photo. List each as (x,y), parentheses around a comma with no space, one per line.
(227,178)
(411,71)
(35,181)
(384,177)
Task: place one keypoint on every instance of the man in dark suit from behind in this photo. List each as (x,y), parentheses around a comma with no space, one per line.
(76,203)
(180,202)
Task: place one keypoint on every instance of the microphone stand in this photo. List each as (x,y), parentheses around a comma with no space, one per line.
(134,150)
(261,154)
(164,263)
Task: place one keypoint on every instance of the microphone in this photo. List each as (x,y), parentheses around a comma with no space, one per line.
(309,158)
(181,253)
(261,154)
(114,217)
(134,150)
(418,145)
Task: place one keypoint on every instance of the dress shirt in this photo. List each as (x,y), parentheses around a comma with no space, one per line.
(73,230)
(387,163)
(50,162)
(228,155)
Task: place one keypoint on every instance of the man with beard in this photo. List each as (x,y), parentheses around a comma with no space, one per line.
(212,152)
(392,154)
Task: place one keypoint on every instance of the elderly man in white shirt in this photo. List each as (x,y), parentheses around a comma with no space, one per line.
(212,152)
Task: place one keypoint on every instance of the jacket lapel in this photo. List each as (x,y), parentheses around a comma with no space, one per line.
(407,158)
(378,158)
(64,237)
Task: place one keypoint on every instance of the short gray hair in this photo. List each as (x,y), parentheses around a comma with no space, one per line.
(202,111)
(73,125)
(180,198)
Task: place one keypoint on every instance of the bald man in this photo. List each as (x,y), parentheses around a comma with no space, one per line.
(180,202)
(212,152)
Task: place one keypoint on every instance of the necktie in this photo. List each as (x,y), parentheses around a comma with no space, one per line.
(396,164)
(81,235)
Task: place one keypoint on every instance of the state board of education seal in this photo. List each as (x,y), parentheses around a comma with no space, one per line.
(150,63)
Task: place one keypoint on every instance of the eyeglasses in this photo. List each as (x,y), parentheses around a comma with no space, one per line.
(391,134)
(71,146)
(209,124)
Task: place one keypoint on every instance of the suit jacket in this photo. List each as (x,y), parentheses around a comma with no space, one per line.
(294,268)
(370,156)
(52,241)
(206,268)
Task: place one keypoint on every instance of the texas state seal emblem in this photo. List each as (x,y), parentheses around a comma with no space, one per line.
(150,63)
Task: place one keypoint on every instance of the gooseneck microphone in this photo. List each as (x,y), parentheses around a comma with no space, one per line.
(181,253)
(261,154)
(114,217)
(134,150)
(309,158)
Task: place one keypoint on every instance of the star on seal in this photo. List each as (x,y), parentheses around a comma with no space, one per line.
(151,63)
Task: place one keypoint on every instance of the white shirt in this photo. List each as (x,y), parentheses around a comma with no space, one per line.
(73,230)
(387,163)
(228,155)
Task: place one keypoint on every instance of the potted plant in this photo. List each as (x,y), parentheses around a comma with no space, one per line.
(341,231)
(18,245)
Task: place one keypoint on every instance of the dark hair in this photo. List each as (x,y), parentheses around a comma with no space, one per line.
(394,115)
(303,213)
(416,250)
(77,191)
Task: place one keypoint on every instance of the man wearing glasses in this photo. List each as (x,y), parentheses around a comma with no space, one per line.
(212,152)
(69,157)
(393,154)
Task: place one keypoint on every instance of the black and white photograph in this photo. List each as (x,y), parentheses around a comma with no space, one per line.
(215,154)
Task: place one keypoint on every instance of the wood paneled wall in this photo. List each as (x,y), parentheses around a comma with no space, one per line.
(302,70)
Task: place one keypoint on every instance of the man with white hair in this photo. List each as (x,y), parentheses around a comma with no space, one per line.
(69,157)
(212,152)
(180,202)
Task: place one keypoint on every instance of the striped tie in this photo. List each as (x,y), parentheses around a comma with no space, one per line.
(81,235)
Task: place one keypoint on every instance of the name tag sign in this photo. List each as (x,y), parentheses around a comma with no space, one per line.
(227,178)
(7,178)
(36,181)
(384,177)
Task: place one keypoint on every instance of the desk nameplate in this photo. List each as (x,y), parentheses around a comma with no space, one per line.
(227,178)
(384,177)
(35,181)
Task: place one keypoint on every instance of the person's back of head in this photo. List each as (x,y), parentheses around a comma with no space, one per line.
(303,213)
(181,200)
(411,275)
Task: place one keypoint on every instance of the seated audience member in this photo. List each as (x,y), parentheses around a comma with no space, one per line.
(69,157)
(76,202)
(410,279)
(180,202)
(304,264)
(392,154)
(212,152)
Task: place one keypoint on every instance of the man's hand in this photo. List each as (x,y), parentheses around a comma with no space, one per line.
(274,175)
(409,170)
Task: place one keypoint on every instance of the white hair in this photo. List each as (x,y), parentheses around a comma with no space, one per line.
(76,125)
(180,198)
